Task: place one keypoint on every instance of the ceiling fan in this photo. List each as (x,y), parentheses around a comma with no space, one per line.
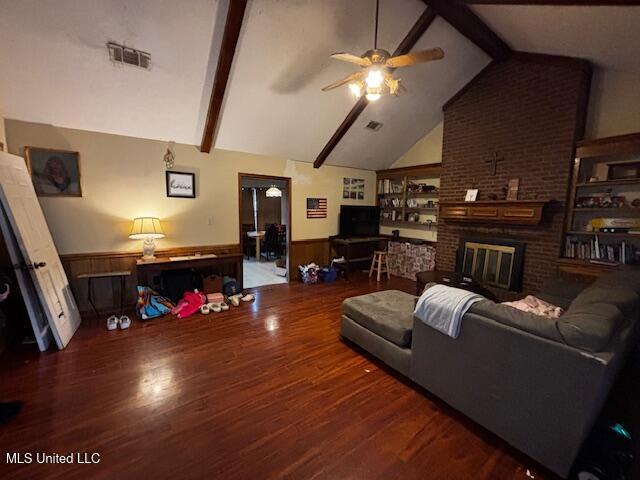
(376,77)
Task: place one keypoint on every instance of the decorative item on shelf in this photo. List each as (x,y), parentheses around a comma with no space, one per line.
(413,187)
(601,200)
(635,203)
(472,195)
(55,173)
(413,217)
(615,225)
(316,208)
(147,229)
(512,188)
(412,203)
(170,156)
(181,184)
(623,170)
(273,192)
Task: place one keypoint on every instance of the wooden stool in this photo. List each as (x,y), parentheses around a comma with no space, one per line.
(380,263)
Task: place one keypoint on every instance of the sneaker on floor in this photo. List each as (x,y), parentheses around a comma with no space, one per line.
(112,322)
(125,322)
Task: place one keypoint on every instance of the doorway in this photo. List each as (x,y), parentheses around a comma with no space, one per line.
(265,228)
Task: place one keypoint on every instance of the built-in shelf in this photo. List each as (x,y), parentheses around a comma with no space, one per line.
(433,210)
(604,183)
(603,234)
(402,177)
(607,209)
(423,194)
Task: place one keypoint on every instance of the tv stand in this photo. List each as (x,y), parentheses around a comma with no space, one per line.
(355,250)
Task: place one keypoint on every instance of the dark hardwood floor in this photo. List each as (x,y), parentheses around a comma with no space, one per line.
(266,390)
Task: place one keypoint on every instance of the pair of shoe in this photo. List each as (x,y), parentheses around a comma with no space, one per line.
(114,322)
(213,307)
(238,297)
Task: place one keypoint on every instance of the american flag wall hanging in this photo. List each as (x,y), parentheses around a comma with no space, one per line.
(316,208)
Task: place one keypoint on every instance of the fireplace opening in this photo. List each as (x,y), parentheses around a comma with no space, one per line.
(492,262)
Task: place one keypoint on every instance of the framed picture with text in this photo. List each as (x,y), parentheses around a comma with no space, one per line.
(181,184)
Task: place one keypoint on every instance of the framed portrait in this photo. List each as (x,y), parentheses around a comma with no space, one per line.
(54,173)
(181,184)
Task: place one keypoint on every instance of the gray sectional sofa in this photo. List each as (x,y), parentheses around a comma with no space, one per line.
(536,382)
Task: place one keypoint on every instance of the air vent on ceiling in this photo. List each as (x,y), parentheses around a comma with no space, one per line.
(130,56)
(373,125)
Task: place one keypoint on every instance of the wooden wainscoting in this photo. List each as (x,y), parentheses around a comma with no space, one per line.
(307,251)
(107,291)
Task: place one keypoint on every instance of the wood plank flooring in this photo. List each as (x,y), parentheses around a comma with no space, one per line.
(264,391)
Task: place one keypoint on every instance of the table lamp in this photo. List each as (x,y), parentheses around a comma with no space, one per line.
(147,229)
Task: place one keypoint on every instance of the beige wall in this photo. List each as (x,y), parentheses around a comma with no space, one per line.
(426,150)
(614,104)
(124,177)
(3,137)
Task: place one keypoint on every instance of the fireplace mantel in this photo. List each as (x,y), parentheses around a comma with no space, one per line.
(511,212)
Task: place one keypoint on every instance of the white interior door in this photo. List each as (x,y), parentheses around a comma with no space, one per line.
(37,316)
(38,250)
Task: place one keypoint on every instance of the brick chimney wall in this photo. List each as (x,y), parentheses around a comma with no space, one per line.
(530,110)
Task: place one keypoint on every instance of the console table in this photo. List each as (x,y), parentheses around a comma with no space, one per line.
(356,250)
(150,273)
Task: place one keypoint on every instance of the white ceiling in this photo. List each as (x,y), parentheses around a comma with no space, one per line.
(275,105)
(607,36)
(54,68)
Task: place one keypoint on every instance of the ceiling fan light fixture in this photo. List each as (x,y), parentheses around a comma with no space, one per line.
(356,89)
(374,78)
(373,97)
(273,191)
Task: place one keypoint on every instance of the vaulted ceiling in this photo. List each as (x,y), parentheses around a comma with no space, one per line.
(54,68)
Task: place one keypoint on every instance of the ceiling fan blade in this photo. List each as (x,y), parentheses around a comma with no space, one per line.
(415,57)
(351,58)
(350,78)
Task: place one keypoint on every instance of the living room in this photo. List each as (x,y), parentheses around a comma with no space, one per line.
(236,252)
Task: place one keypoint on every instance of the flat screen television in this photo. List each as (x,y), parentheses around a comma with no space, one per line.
(358,221)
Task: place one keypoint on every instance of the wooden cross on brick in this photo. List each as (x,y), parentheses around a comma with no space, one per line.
(494,162)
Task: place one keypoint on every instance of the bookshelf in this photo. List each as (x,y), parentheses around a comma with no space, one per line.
(602,226)
(408,199)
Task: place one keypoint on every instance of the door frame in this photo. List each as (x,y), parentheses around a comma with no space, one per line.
(241,176)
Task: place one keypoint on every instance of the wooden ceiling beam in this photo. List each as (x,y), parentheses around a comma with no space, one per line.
(405,46)
(469,24)
(232,27)
(558,3)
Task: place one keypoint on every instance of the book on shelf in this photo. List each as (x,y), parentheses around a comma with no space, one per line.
(596,251)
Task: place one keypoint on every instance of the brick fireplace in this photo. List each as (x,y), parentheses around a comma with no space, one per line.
(527,112)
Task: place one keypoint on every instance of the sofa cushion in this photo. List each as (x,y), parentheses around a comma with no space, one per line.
(388,314)
(535,324)
(589,326)
(623,297)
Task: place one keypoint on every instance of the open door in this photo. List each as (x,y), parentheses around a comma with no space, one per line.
(39,255)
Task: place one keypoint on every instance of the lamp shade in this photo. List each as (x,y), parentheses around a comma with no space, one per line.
(146,227)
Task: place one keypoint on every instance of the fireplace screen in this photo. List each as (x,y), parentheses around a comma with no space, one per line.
(489,264)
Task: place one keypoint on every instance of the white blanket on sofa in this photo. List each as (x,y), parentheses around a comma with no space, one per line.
(443,307)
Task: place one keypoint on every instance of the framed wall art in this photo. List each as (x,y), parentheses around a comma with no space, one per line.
(54,173)
(181,184)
